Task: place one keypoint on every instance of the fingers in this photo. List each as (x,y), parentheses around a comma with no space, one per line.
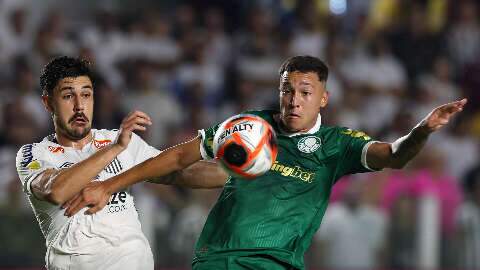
(442,121)
(142,115)
(138,127)
(69,202)
(136,114)
(94,209)
(441,115)
(453,107)
(458,105)
(463,101)
(135,121)
(78,204)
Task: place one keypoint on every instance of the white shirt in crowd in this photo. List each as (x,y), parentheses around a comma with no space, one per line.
(360,234)
(468,219)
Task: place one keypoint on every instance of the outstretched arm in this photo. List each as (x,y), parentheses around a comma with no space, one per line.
(171,160)
(96,194)
(201,174)
(397,154)
(58,186)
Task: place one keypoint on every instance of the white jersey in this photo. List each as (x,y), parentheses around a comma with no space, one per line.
(109,239)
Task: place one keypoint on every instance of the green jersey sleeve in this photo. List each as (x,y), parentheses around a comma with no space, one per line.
(206,146)
(353,151)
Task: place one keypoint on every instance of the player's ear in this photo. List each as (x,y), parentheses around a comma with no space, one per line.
(324,99)
(47,103)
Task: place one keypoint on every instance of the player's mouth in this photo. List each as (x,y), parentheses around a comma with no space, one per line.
(292,115)
(79,120)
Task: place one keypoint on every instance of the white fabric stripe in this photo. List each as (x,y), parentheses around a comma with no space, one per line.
(29,182)
(203,152)
(364,155)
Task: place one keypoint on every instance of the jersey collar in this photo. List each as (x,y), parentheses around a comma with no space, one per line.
(314,129)
(52,138)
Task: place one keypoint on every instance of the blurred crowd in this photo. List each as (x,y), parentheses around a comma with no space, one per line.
(191,64)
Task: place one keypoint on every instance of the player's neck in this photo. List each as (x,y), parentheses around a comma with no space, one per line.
(288,130)
(285,129)
(77,144)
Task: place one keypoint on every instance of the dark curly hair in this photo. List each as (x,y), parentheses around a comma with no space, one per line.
(62,67)
(304,64)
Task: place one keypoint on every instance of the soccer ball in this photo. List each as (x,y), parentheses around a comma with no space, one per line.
(246,145)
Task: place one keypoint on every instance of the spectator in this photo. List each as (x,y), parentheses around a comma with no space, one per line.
(354,228)
(468,221)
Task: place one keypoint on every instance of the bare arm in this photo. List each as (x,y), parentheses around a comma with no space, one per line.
(58,186)
(201,174)
(397,154)
(171,160)
(174,159)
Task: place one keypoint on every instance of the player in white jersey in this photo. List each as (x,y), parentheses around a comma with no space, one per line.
(54,172)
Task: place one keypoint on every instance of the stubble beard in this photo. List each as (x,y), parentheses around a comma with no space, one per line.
(73,134)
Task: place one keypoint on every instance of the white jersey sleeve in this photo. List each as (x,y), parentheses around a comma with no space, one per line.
(31,163)
(140,150)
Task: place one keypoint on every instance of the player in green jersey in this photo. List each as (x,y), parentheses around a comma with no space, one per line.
(269,223)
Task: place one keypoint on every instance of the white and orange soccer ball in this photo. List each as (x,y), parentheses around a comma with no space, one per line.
(246,145)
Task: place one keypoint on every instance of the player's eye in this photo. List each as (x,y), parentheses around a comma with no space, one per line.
(68,96)
(86,95)
(306,93)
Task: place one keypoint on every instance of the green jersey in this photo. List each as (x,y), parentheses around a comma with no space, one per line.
(277,214)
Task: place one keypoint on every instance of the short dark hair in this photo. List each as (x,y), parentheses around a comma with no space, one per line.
(60,68)
(304,64)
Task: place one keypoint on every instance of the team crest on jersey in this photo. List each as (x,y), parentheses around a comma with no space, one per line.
(56,150)
(101,143)
(309,144)
(34,165)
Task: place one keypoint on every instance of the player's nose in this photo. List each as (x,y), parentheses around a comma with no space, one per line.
(78,104)
(293,102)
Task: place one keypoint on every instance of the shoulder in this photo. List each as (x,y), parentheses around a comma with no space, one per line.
(343,132)
(25,155)
(28,151)
(331,135)
(31,155)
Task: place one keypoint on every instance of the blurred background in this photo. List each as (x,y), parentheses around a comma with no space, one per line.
(191,64)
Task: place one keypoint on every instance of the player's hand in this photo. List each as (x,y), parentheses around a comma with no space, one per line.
(441,115)
(94,196)
(135,120)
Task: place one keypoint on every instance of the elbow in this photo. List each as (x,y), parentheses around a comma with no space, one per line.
(56,196)
(181,160)
(397,164)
